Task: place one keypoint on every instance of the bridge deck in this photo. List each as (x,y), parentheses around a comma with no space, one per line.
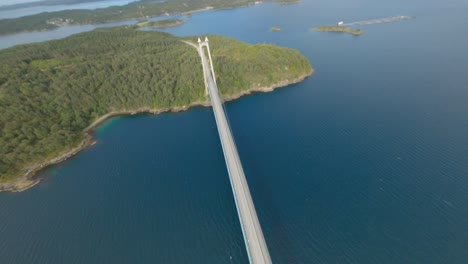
(255,242)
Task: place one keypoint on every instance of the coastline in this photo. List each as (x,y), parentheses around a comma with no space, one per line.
(29,179)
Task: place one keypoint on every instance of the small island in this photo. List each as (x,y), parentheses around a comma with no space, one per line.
(275,29)
(286,2)
(340,29)
(161,23)
(54,93)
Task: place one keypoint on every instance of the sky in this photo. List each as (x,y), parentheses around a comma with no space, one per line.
(12,2)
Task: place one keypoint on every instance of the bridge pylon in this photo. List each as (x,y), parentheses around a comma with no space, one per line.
(206,44)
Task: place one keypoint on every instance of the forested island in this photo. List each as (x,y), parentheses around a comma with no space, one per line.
(161,23)
(52,94)
(340,29)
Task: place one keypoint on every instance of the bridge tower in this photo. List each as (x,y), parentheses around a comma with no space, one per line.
(206,44)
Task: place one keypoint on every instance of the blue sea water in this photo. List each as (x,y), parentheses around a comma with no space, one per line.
(364,162)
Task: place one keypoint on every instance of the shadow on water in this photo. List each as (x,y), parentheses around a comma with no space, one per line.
(278,239)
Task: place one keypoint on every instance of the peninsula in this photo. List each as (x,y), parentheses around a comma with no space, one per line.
(52,94)
(339,29)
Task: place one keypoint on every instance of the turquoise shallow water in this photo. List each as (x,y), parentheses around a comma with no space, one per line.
(365,162)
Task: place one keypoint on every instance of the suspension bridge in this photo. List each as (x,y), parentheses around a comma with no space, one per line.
(255,244)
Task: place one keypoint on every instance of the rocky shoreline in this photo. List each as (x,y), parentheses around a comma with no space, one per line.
(29,180)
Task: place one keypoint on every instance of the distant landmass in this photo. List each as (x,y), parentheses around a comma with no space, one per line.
(45,3)
(52,94)
(136,10)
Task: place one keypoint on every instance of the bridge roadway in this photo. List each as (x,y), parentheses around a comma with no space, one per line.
(255,242)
